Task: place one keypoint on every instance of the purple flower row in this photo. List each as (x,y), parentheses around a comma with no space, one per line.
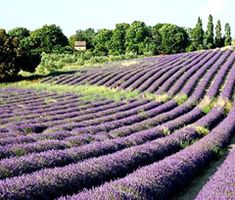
(73,178)
(161,179)
(221,184)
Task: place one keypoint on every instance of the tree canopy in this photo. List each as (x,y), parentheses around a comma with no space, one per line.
(227,37)
(209,35)
(175,39)
(45,39)
(13,58)
(218,35)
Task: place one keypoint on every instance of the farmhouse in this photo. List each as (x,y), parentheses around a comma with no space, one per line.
(80,45)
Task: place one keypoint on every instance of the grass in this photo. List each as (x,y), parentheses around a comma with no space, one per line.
(207,104)
(88,92)
(201,130)
(180,99)
(190,192)
(95,92)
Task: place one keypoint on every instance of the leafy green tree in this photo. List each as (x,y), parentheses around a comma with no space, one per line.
(102,42)
(13,58)
(19,32)
(7,56)
(227,37)
(156,38)
(197,36)
(218,35)
(136,36)
(175,39)
(83,35)
(209,35)
(45,39)
(3,36)
(117,44)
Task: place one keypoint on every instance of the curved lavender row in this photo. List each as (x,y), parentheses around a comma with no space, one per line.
(94,107)
(8,109)
(9,93)
(86,78)
(165,86)
(30,95)
(136,120)
(151,80)
(39,102)
(92,79)
(173,61)
(183,79)
(130,78)
(52,78)
(157,64)
(221,184)
(71,79)
(92,76)
(183,66)
(96,79)
(23,100)
(109,115)
(117,77)
(169,59)
(35,162)
(76,111)
(161,179)
(105,79)
(204,55)
(208,75)
(229,84)
(189,86)
(132,73)
(36,137)
(99,79)
(25,116)
(124,131)
(65,78)
(74,177)
(149,134)
(55,108)
(220,77)
(211,75)
(91,115)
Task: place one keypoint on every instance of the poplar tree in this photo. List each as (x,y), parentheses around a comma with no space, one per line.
(197,36)
(218,35)
(227,37)
(209,35)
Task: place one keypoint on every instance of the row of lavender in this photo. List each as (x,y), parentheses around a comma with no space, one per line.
(151,122)
(198,92)
(165,75)
(125,136)
(137,156)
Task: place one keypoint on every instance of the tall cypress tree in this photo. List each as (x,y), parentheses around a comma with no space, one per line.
(227,38)
(218,35)
(209,35)
(197,36)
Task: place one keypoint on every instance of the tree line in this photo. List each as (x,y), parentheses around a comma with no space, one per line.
(21,49)
(162,38)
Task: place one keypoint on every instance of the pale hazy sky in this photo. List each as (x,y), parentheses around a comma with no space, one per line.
(71,15)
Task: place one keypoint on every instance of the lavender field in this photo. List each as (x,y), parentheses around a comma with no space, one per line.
(157,125)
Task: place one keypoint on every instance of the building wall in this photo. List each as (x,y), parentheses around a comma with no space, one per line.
(81,48)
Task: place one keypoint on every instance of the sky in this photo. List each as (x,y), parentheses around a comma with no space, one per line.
(72,15)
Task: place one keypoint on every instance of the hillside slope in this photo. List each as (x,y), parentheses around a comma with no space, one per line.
(62,145)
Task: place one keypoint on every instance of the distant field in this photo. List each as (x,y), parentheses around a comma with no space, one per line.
(151,128)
